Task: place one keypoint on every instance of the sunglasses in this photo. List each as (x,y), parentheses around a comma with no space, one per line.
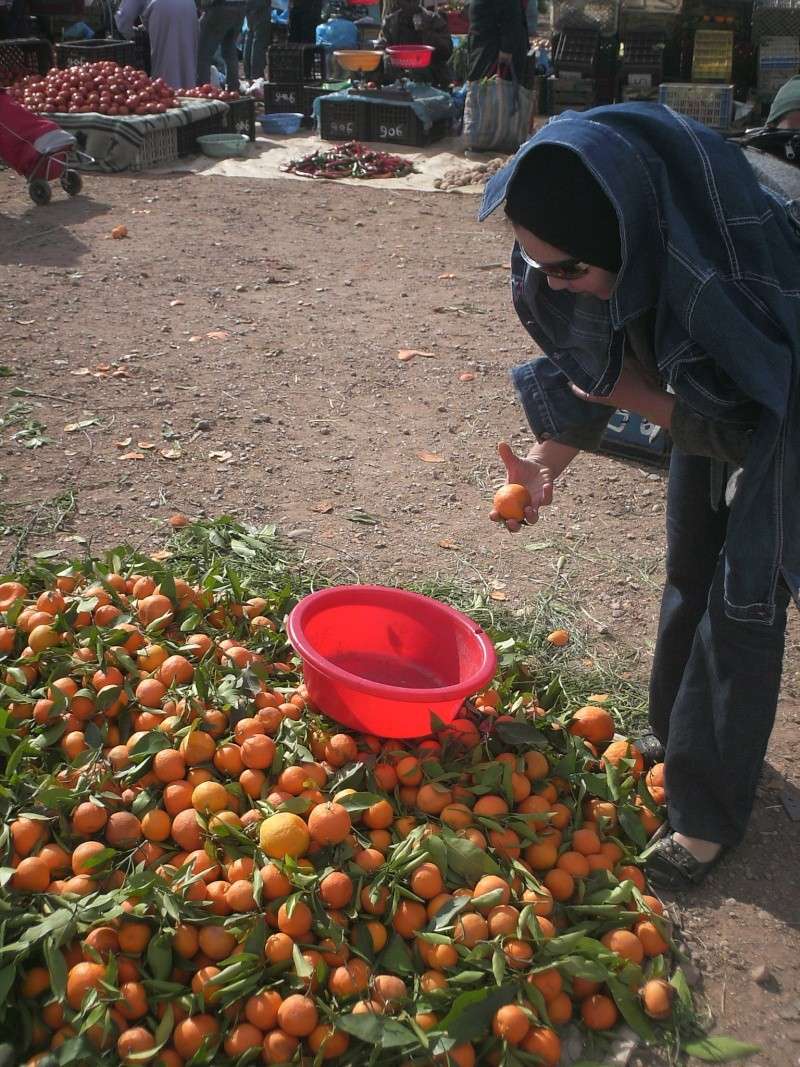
(568,270)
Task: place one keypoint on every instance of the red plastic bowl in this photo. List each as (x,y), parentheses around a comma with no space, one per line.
(382,661)
(410,55)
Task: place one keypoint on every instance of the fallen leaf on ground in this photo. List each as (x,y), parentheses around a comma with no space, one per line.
(430,457)
(171,453)
(223,457)
(405,355)
(447,543)
(446,277)
(132,455)
(162,554)
(218,335)
(124,443)
(498,594)
(467,376)
(72,427)
(195,339)
(81,372)
(323,508)
(119,232)
(176,303)
(145,444)
(597,698)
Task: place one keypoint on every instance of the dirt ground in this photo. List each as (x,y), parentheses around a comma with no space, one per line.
(238,354)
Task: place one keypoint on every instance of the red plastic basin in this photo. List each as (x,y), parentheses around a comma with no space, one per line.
(410,55)
(383,660)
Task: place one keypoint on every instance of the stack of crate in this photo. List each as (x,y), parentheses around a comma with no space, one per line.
(291,69)
(778,61)
(712,56)
(641,66)
(574,86)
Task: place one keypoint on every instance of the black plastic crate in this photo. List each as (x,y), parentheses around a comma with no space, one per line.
(642,53)
(344,120)
(577,50)
(280,99)
(126,53)
(241,118)
(310,94)
(395,124)
(187,135)
(289,64)
(24,55)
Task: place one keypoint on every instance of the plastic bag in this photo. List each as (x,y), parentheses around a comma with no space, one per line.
(337,33)
(497,114)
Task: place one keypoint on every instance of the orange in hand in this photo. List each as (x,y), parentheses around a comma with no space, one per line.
(511,500)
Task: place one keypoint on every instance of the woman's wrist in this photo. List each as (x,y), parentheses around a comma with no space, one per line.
(553,455)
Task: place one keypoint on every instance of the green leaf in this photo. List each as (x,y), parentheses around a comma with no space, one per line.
(466,977)
(632,825)
(498,966)
(630,1010)
(720,1049)
(396,957)
(7,976)
(445,917)
(681,986)
(159,955)
(57,967)
(467,860)
(302,967)
(471,1013)
(359,801)
(375,1030)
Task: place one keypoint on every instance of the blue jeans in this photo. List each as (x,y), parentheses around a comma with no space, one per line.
(220,28)
(715,680)
(257,38)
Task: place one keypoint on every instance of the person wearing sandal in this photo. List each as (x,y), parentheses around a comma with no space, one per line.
(658,276)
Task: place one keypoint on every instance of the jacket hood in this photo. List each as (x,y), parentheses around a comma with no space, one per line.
(656,166)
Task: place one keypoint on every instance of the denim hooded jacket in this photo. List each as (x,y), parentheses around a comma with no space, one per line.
(716,257)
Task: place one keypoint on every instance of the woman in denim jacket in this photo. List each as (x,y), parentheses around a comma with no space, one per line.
(657,275)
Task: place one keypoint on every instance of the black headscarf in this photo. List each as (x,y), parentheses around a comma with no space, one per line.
(555,197)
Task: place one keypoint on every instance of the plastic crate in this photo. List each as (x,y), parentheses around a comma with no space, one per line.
(775,18)
(712,56)
(566,92)
(278,99)
(309,94)
(292,64)
(599,15)
(24,55)
(778,61)
(241,117)
(126,53)
(344,120)
(159,146)
(186,136)
(577,51)
(397,124)
(642,53)
(710,104)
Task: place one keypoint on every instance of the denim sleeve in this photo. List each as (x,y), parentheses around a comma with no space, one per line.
(553,411)
(697,435)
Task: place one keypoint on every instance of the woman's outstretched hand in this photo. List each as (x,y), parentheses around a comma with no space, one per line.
(536,478)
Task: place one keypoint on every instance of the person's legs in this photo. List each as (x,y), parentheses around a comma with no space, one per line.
(721,720)
(695,536)
(212,28)
(230,53)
